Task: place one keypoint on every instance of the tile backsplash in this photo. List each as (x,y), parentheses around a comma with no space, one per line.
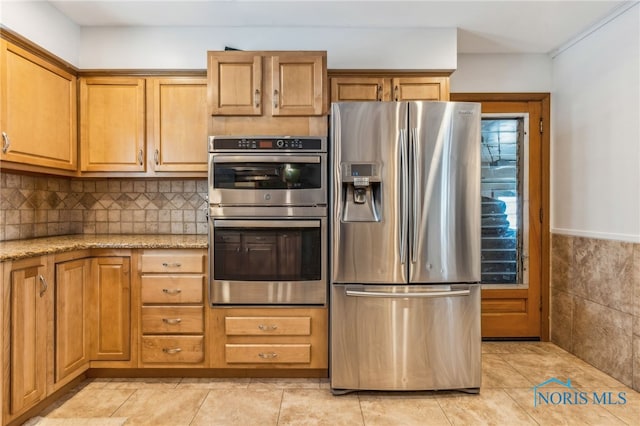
(37,206)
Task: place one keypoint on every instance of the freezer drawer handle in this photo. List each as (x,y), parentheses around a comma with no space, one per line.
(271,327)
(425,294)
(267,355)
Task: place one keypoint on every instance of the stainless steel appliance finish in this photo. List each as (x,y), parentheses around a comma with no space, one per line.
(266,260)
(268,170)
(267,220)
(405,208)
(405,337)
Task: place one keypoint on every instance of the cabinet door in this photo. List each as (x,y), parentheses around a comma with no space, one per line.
(110,301)
(27,338)
(420,88)
(112,124)
(37,111)
(235,83)
(298,85)
(346,89)
(177,124)
(71,317)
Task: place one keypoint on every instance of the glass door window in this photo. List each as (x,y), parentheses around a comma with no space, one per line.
(503,189)
(267,175)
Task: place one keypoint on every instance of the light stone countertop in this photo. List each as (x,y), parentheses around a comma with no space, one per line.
(19,249)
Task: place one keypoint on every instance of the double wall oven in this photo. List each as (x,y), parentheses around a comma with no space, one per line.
(267,220)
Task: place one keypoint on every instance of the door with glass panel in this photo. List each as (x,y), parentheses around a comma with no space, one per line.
(514,188)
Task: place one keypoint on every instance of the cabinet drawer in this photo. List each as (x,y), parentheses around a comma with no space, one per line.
(173,261)
(185,349)
(172,319)
(261,326)
(268,354)
(172,288)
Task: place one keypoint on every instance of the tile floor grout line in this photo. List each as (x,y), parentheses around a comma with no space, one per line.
(437,398)
(124,402)
(280,406)
(521,407)
(195,414)
(361,411)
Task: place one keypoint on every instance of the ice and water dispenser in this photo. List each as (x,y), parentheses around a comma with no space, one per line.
(361,192)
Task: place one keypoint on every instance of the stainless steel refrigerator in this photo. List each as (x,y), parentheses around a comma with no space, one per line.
(405,255)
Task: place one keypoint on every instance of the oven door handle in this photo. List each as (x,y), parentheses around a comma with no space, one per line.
(310,159)
(228,223)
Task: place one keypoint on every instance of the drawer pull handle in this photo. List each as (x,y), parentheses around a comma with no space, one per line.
(172,321)
(268,355)
(264,327)
(172,265)
(171,290)
(171,350)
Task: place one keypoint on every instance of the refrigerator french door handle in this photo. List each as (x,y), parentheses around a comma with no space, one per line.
(404,197)
(414,295)
(414,204)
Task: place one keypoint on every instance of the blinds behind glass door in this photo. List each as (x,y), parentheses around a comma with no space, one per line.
(501,190)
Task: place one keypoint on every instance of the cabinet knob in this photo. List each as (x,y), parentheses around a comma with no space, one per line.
(276,99)
(6,143)
(265,327)
(156,157)
(379,93)
(171,290)
(172,265)
(172,321)
(140,159)
(395,92)
(171,350)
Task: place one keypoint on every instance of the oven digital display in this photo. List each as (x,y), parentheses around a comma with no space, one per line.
(265,144)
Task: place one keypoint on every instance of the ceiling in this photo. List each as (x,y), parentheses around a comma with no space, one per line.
(483,26)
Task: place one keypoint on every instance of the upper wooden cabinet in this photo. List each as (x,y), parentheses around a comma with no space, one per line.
(177,124)
(389,88)
(153,124)
(112,124)
(267,83)
(37,111)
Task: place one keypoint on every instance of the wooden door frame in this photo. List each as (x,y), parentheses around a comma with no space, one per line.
(545,103)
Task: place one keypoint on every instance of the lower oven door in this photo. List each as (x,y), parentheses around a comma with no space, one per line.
(268,261)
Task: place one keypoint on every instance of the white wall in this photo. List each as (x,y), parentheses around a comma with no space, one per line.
(186,47)
(595,153)
(502,73)
(44,25)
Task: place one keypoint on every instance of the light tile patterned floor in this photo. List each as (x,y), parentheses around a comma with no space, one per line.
(510,370)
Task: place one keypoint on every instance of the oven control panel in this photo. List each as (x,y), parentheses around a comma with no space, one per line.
(267,143)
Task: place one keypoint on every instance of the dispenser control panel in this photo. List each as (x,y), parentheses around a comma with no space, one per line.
(360,174)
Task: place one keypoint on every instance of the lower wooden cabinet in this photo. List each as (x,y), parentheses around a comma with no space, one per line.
(294,338)
(110,315)
(172,308)
(72,309)
(27,300)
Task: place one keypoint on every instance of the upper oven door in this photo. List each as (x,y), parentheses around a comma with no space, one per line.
(268,179)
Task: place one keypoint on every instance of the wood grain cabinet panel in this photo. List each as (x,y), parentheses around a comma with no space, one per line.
(37,111)
(298,85)
(235,83)
(268,353)
(389,87)
(172,308)
(110,299)
(72,317)
(25,335)
(112,124)
(177,124)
